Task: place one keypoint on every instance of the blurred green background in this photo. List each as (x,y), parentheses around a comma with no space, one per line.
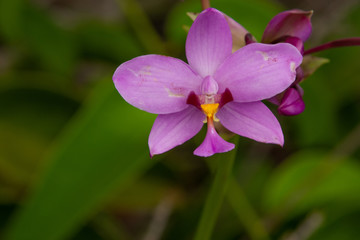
(74,161)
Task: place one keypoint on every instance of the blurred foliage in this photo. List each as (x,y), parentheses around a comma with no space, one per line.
(74,162)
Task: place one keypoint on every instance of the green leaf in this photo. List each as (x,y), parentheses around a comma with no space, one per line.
(107,41)
(104,148)
(311,63)
(30,119)
(344,228)
(11,18)
(37,36)
(310,179)
(145,194)
(52,45)
(320,113)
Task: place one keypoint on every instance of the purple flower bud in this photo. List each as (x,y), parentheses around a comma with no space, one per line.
(295,23)
(295,41)
(292,103)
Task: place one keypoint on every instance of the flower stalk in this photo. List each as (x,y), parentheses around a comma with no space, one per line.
(205,4)
(215,198)
(247,215)
(355,41)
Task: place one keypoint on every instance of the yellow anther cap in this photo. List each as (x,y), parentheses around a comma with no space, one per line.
(210,109)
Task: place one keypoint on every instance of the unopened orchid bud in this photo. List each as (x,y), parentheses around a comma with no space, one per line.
(296,42)
(292,103)
(294,23)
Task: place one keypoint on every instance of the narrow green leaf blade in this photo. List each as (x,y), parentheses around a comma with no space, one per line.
(104,148)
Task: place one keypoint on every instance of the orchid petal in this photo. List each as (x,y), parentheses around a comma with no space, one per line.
(295,23)
(209,42)
(155,83)
(258,71)
(238,32)
(213,143)
(292,103)
(171,130)
(252,120)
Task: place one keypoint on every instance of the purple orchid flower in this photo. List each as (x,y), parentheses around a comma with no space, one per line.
(214,82)
(293,27)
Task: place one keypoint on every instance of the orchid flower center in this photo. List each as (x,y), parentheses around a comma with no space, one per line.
(209,101)
(209,89)
(209,98)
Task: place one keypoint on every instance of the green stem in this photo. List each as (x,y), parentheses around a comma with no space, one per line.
(245,212)
(107,227)
(142,26)
(216,195)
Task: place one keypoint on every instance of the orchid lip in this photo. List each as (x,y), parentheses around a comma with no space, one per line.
(212,143)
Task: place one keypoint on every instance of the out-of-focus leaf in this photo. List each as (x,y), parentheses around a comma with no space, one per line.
(43,81)
(345,228)
(342,71)
(144,194)
(336,181)
(36,111)
(142,27)
(10,18)
(104,148)
(52,45)
(36,35)
(353,19)
(317,125)
(102,40)
(30,119)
